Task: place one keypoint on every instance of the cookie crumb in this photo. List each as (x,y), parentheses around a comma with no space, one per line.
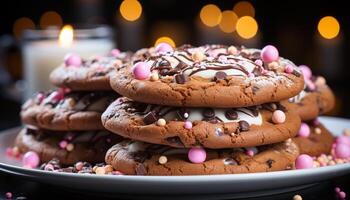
(154,76)
(162,160)
(297,197)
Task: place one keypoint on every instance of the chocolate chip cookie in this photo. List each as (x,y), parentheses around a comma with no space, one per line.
(64,110)
(137,158)
(68,147)
(207,76)
(211,128)
(90,74)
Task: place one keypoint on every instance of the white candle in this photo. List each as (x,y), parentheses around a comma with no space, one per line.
(42,56)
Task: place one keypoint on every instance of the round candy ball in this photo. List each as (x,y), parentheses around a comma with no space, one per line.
(197,155)
(343,139)
(306,71)
(31,159)
(72,59)
(304,161)
(269,54)
(278,117)
(304,130)
(342,151)
(188,125)
(164,47)
(288,69)
(141,71)
(115,52)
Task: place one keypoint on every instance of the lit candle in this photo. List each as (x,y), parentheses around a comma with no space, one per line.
(42,56)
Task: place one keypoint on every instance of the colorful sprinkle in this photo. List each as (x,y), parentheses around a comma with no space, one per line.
(161,122)
(269,54)
(288,69)
(31,159)
(198,56)
(162,160)
(63,144)
(8,195)
(141,71)
(304,161)
(70,147)
(232,50)
(164,48)
(342,151)
(115,52)
(73,60)
(306,71)
(188,125)
(304,130)
(197,155)
(278,117)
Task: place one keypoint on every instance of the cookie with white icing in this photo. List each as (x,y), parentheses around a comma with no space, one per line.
(137,158)
(212,128)
(87,74)
(316,99)
(65,110)
(317,140)
(68,147)
(207,76)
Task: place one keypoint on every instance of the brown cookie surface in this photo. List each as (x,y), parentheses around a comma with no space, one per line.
(319,141)
(89,146)
(207,127)
(93,74)
(208,76)
(59,110)
(311,103)
(131,157)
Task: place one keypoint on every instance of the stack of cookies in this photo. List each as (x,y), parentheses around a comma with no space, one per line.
(66,123)
(211,109)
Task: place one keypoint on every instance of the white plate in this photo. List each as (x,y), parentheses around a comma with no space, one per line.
(208,187)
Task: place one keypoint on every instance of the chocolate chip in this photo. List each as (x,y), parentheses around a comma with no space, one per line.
(163,63)
(140,156)
(220,76)
(296,73)
(257,71)
(150,118)
(243,125)
(175,141)
(231,114)
(281,107)
(269,162)
(140,169)
(230,161)
(183,113)
(208,113)
(180,78)
(164,72)
(219,132)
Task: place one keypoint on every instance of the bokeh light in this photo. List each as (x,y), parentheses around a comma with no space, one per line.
(247,27)
(210,15)
(66,36)
(244,8)
(22,24)
(328,27)
(165,39)
(228,21)
(130,10)
(50,18)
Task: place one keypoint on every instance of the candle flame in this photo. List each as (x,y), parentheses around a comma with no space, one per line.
(65,38)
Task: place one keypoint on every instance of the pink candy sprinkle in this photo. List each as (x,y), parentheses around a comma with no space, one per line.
(188,125)
(250,153)
(304,161)
(343,140)
(258,62)
(8,152)
(197,155)
(342,151)
(278,117)
(306,71)
(337,189)
(115,52)
(40,97)
(31,159)
(141,71)
(304,130)
(8,195)
(269,54)
(72,59)
(164,48)
(288,69)
(310,85)
(63,144)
